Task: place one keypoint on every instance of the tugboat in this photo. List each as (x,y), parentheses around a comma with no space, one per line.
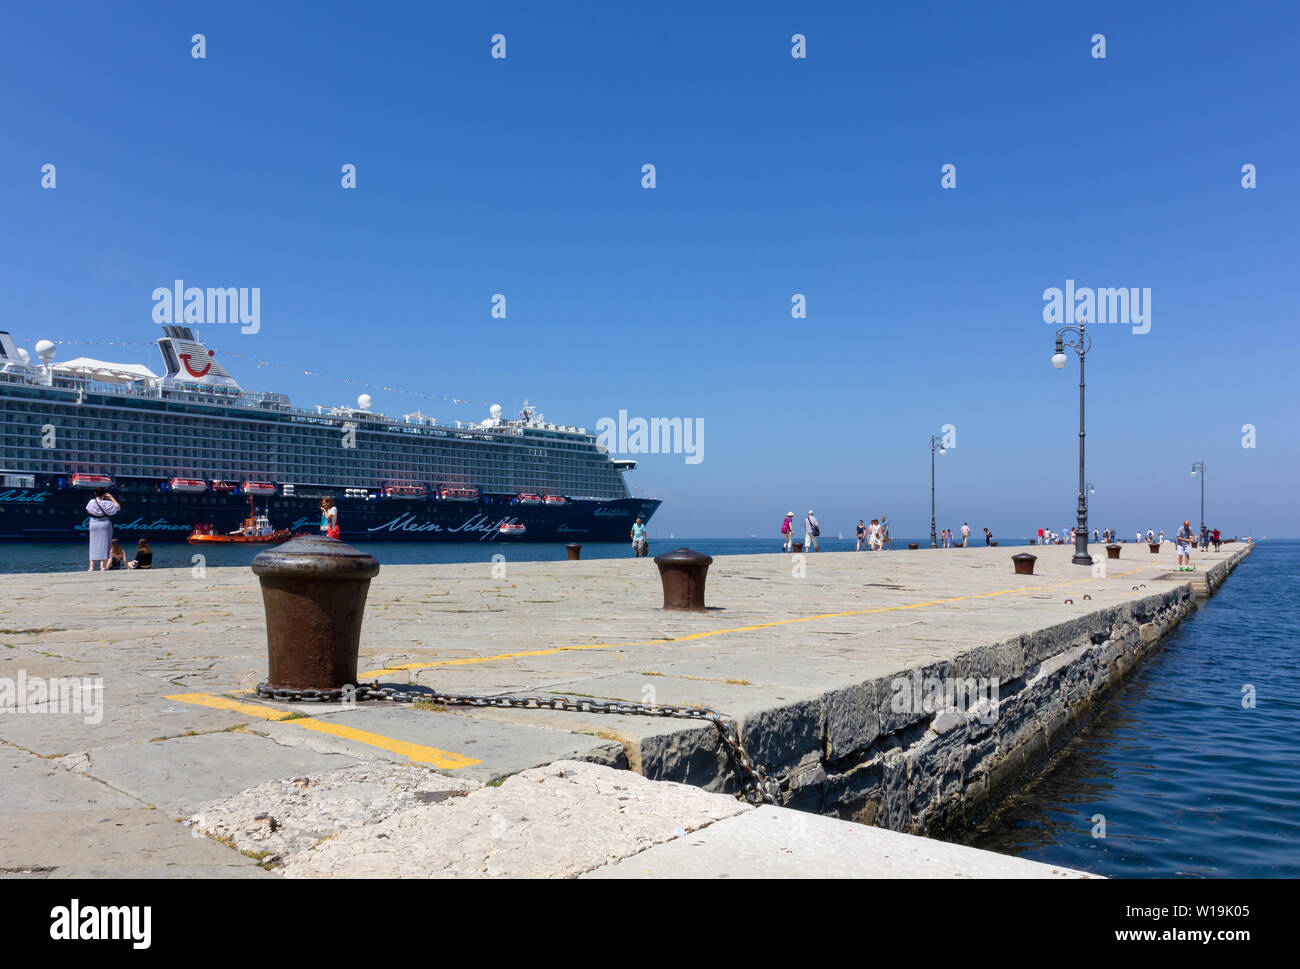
(256,530)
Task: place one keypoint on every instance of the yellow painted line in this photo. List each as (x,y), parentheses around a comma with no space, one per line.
(474,660)
(444,759)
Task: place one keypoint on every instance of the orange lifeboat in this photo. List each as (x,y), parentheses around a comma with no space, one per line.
(91,481)
(555,500)
(406,491)
(257,488)
(190,486)
(458,494)
(528,500)
(512,529)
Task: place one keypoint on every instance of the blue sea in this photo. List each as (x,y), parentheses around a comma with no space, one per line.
(1194,763)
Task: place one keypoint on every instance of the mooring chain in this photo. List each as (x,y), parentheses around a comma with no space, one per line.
(754,786)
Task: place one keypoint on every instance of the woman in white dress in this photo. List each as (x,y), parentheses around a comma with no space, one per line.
(101,510)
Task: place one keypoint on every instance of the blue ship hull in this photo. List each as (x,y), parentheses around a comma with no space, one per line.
(54,514)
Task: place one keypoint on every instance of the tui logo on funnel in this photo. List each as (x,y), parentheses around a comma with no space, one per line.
(185,360)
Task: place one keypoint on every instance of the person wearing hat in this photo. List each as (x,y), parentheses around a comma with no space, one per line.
(811,530)
(787,529)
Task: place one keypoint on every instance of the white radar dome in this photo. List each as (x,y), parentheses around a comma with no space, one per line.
(45,350)
(495,411)
(24,356)
(364,402)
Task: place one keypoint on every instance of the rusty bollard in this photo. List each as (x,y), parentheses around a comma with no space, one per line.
(314,590)
(1155,547)
(1024,563)
(1112,551)
(572,552)
(682,573)
(795,547)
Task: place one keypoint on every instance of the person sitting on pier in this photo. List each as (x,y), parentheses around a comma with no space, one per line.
(143,556)
(116,556)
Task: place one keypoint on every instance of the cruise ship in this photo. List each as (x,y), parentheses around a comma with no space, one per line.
(188,450)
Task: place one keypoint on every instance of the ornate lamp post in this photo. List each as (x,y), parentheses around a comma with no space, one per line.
(936,444)
(1080,343)
(1200,466)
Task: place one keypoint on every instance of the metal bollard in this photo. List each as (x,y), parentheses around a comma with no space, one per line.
(911,545)
(1112,551)
(1155,547)
(1024,563)
(573,552)
(682,573)
(794,547)
(314,590)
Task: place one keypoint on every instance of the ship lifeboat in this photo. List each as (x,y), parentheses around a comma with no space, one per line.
(555,500)
(528,500)
(91,481)
(458,494)
(257,488)
(511,529)
(223,487)
(406,491)
(187,486)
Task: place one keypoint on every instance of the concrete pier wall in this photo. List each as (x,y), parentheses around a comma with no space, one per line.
(854,754)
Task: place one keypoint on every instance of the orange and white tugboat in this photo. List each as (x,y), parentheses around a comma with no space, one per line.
(256,530)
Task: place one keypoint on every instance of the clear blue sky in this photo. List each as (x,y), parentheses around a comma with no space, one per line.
(775,176)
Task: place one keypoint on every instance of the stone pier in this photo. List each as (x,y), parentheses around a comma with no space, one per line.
(906,690)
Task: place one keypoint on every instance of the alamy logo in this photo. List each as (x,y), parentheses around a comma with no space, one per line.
(193,306)
(658,435)
(1106,305)
(82,695)
(976,695)
(131,923)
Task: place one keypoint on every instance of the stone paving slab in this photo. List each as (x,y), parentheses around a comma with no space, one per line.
(176,775)
(502,748)
(774,842)
(116,843)
(31,783)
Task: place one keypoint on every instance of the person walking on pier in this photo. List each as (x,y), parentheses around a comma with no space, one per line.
(811,532)
(101,510)
(640,546)
(787,529)
(884,533)
(1161,537)
(965,534)
(862,537)
(873,535)
(1185,541)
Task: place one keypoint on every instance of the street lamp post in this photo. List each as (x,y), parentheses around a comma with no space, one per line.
(936,444)
(1080,343)
(1200,466)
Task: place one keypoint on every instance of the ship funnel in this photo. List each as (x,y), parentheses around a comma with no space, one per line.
(189,361)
